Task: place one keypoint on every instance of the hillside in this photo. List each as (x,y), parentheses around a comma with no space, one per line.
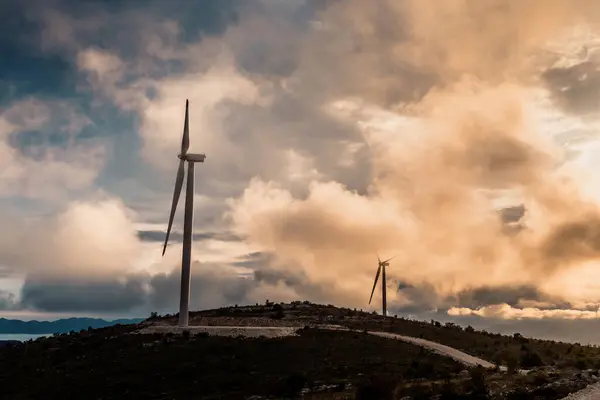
(117,362)
(514,351)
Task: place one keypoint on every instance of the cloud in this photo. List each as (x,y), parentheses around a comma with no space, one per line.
(71,296)
(447,123)
(87,239)
(336,130)
(504,311)
(39,153)
(159,236)
(8,300)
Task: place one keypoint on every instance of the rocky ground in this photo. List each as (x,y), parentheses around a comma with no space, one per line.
(590,392)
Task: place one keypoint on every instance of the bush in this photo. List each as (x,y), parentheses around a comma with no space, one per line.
(279,314)
(539,378)
(512,364)
(477,384)
(376,388)
(530,359)
(581,363)
(448,391)
(292,385)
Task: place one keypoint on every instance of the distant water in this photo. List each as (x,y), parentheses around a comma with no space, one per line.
(22,336)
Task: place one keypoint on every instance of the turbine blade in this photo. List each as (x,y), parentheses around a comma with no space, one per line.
(176,193)
(375,283)
(185,142)
(391,258)
(378,259)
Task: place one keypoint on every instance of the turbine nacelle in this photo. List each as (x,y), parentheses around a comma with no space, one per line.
(192,157)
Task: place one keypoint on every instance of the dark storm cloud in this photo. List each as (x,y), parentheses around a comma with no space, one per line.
(298,281)
(8,301)
(115,24)
(584,331)
(159,236)
(576,88)
(273,277)
(424,298)
(254,260)
(63,296)
(512,214)
(513,296)
(211,286)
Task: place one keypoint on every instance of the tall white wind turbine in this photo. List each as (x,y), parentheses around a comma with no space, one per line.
(186,258)
(381,270)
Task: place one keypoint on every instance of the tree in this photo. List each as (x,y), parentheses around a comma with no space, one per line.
(279,314)
(448,391)
(512,364)
(477,383)
(153,315)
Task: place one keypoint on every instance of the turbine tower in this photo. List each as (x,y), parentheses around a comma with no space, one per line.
(186,258)
(381,270)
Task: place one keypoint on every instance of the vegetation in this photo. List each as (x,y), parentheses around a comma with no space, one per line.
(109,363)
(510,350)
(513,351)
(115,362)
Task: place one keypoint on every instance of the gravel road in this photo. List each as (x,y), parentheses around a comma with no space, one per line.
(591,392)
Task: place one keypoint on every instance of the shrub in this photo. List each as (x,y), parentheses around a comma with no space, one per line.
(448,391)
(530,359)
(292,385)
(581,363)
(279,314)
(477,384)
(376,388)
(512,364)
(539,378)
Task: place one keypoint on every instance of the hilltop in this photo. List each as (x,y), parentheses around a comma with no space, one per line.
(315,363)
(510,350)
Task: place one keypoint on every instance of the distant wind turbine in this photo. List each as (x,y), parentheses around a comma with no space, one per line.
(188,218)
(381,270)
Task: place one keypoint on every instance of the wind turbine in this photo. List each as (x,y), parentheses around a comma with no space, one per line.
(186,257)
(381,270)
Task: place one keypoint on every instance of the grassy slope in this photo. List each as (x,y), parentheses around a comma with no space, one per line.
(93,365)
(503,349)
(109,363)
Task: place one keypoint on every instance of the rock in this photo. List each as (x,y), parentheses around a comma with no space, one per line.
(464,374)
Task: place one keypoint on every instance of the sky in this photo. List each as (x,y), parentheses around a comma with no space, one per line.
(462,138)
